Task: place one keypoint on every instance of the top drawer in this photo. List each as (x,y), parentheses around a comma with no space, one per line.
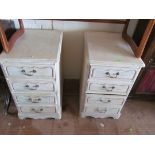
(31,70)
(112,73)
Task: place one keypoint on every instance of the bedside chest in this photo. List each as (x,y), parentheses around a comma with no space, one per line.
(109,72)
(33,72)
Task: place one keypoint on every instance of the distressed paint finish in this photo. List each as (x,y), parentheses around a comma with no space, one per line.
(32,71)
(109,72)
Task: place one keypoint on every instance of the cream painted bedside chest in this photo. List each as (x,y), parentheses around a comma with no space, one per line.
(33,72)
(109,72)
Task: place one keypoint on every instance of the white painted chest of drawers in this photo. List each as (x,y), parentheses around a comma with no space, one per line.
(109,72)
(33,72)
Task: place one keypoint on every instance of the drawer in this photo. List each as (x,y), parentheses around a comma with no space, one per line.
(104,100)
(29,71)
(38,115)
(32,86)
(102,110)
(112,73)
(37,109)
(34,99)
(106,88)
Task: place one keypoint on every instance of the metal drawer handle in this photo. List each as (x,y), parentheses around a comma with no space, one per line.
(101,110)
(27,74)
(23,71)
(37,111)
(30,72)
(27,86)
(113,75)
(35,100)
(33,87)
(109,88)
(103,101)
(33,71)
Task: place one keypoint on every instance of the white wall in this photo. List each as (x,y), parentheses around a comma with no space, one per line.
(73,39)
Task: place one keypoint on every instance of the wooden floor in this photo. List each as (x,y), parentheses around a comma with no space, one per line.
(138,117)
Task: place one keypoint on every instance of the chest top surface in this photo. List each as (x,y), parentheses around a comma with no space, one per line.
(36,44)
(110,49)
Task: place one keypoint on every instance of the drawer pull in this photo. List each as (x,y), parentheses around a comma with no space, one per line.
(33,87)
(35,100)
(29,73)
(112,75)
(23,71)
(105,101)
(34,71)
(37,111)
(27,86)
(101,110)
(109,88)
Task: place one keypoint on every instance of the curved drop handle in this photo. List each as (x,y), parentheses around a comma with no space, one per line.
(112,75)
(105,101)
(34,100)
(35,87)
(108,88)
(30,73)
(37,111)
(101,110)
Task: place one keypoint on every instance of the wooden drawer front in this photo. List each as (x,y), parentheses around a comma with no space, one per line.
(30,71)
(108,88)
(112,73)
(102,110)
(32,86)
(29,100)
(100,100)
(37,109)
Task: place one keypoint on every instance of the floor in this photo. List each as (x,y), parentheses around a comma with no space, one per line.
(138,117)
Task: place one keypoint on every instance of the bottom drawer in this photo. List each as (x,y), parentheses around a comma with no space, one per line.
(102,110)
(39,116)
(39,109)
